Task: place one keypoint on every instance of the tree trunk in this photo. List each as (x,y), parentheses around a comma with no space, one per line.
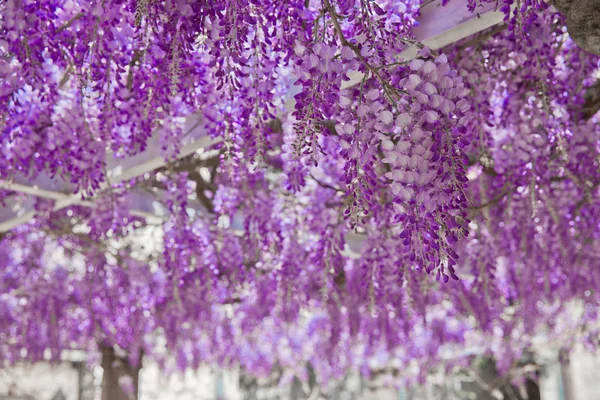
(565,375)
(120,380)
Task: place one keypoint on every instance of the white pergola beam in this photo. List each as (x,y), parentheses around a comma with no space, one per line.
(143,204)
(440,26)
(119,170)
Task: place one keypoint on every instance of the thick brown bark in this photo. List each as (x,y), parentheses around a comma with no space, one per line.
(583,22)
(114,368)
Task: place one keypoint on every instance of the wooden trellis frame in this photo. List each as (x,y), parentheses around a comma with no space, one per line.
(439,27)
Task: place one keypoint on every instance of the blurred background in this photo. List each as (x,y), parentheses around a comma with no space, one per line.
(547,375)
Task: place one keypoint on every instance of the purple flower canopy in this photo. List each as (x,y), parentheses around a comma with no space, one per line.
(349,206)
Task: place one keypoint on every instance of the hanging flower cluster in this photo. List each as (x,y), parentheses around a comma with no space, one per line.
(427,164)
